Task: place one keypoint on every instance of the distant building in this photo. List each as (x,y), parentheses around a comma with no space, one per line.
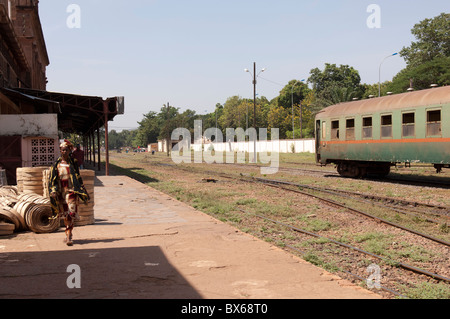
(162,145)
(153,147)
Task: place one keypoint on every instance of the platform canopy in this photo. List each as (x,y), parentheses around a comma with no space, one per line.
(79,114)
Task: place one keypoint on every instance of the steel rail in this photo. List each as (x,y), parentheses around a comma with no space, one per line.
(356,276)
(403,265)
(381,198)
(272,183)
(391,179)
(363,197)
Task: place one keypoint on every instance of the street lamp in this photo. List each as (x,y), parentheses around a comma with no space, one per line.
(255,76)
(379,73)
(254,89)
(292,103)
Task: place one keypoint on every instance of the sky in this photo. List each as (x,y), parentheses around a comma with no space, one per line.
(192,53)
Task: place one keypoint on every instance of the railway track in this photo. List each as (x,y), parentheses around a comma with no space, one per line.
(307,190)
(402,265)
(335,203)
(393,178)
(276,183)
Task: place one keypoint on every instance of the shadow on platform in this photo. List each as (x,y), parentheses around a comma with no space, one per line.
(114,273)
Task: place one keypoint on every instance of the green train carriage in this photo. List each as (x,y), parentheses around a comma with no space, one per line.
(369,136)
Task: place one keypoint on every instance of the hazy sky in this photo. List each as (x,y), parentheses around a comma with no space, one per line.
(193,53)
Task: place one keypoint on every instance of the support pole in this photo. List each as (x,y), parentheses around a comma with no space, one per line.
(105,111)
(98,146)
(254,111)
(93,146)
(90,148)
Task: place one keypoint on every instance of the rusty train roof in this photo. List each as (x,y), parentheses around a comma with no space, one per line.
(429,97)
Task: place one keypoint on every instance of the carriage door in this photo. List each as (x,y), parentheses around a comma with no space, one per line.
(318,137)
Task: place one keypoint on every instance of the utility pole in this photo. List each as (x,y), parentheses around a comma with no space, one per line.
(254,95)
(254,103)
(168,138)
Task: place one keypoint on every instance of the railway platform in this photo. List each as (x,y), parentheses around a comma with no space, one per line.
(147,245)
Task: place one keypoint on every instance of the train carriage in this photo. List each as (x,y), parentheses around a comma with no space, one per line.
(370,136)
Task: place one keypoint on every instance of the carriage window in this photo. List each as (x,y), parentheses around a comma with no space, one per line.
(408,124)
(324,130)
(386,126)
(367,127)
(350,129)
(434,123)
(334,130)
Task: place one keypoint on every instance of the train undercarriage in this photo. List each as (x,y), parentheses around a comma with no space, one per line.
(360,169)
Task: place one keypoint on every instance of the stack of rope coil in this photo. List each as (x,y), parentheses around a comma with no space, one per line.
(29,180)
(10,219)
(86,212)
(37,213)
(23,211)
(27,205)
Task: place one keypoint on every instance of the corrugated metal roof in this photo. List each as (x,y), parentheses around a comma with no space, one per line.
(78,114)
(434,96)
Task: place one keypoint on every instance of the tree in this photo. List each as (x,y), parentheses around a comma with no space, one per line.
(234,112)
(149,129)
(122,139)
(372,89)
(335,84)
(114,140)
(433,41)
(167,117)
(186,120)
(228,115)
(277,118)
(427,59)
(309,109)
(291,98)
(436,71)
(340,94)
(295,91)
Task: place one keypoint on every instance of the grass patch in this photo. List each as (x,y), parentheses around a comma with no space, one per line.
(315,224)
(375,243)
(415,253)
(316,260)
(428,290)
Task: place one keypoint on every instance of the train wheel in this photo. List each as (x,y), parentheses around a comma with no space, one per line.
(351,170)
(354,171)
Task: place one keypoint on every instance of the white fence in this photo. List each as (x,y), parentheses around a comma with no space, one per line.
(283,146)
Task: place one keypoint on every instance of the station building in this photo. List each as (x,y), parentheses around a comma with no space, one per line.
(32,120)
